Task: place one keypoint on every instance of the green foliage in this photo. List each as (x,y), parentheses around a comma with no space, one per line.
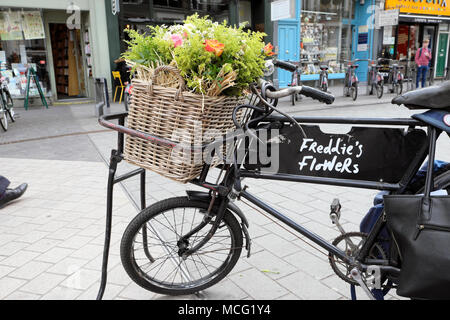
(241,59)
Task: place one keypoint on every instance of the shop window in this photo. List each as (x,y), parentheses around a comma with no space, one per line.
(245,13)
(138,16)
(22,46)
(324,36)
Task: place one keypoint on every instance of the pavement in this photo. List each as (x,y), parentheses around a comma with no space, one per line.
(51,239)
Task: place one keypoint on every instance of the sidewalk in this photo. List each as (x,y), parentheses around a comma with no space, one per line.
(51,240)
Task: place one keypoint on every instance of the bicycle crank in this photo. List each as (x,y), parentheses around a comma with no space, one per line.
(351,243)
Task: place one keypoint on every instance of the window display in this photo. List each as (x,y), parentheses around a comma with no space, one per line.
(322,35)
(22,46)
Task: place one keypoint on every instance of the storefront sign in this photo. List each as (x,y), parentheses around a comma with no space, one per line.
(428,7)
(388,18)
(425,20)
(388,39)
(363,39)
(282,9)
(33,28)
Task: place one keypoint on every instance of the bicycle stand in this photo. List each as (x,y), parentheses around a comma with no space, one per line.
(116,158)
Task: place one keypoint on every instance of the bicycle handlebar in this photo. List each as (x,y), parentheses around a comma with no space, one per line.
(284,65)
(304,90)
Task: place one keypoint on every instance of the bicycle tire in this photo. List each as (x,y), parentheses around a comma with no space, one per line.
(293,99)
(380,90)
(10,106)
(354,92)
(400,87)
(346,91)
(145,280)
(3,118)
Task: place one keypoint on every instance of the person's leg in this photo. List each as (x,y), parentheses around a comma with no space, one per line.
(4,183)
(424,76)
(419,74)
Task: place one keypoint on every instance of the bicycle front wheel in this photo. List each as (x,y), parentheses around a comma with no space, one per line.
(151,250)
(3,120)
(354,92)
(10,106)
(380,90)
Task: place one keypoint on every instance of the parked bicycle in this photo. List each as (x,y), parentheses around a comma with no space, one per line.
(323,79)
(396,78)
(6,105)
(184,245)
(375,79)
(351,81)
(295,78)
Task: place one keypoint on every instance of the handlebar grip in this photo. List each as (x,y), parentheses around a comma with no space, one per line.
(285,65)
(317,95)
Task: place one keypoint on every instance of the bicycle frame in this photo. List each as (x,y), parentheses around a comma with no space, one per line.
(228,184)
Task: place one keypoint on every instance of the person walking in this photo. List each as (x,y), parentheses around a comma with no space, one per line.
(423,58)
(8,195)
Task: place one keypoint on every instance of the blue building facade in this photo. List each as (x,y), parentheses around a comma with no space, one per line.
(327,31)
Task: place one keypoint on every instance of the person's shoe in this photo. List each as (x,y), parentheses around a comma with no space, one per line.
(13,194)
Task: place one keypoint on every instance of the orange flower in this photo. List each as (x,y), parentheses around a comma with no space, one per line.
(268,50)
(214,46)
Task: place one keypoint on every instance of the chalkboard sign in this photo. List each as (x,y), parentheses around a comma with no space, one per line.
(365,153)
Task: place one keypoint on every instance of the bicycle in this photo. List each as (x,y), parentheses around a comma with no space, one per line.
(375,79)
(323,78)
(396,79)
(351,81)
(184,245)
(7,105)
(295,79)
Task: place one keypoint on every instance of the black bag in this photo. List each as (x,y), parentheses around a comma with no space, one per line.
(420,225)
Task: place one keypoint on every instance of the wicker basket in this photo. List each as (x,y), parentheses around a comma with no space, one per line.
(179,116)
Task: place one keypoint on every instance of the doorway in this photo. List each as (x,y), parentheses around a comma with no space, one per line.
(67,62)
(442,50)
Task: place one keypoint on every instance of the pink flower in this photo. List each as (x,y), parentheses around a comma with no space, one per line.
(177,40)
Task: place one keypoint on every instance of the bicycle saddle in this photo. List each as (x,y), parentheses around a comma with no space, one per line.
(324,67)
(435,97)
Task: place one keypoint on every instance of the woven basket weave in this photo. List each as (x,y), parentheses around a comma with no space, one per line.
(179,116)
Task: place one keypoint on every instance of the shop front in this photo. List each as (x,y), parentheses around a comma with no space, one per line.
(61,42)
(419,21)
(321,33)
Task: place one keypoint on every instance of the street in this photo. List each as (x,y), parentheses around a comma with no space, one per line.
(51,239)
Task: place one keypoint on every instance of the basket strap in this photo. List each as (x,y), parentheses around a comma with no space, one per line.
(175,71)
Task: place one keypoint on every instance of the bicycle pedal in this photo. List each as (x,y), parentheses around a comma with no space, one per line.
(335,210)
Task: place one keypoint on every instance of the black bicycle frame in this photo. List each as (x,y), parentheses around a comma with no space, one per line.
(396,188)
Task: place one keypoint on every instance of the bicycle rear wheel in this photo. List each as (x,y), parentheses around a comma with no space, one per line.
(151,249)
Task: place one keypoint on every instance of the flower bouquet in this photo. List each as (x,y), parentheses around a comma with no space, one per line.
(188,80)
(214,59)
